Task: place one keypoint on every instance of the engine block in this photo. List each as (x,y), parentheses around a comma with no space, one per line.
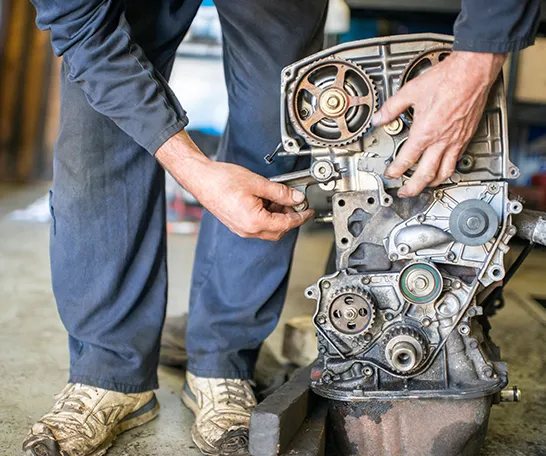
(401,317)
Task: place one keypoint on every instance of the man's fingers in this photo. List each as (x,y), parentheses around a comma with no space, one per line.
(392,108)
(277,225)
(408,156)
(278,193)
(447,167)
(425,173)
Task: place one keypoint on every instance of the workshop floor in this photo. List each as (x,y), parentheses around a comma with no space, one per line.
(34,363)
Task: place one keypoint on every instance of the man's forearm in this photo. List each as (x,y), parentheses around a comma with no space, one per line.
(118,80)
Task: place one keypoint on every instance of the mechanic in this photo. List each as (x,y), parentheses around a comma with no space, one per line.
(121,126)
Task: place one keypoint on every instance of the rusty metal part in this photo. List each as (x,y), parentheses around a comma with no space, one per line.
(410,428)
(332,103)
(352,310)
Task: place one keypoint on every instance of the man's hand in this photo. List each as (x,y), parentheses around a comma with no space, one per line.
(248,204)
(448,102)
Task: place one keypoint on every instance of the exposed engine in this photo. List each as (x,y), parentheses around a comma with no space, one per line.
(401,317)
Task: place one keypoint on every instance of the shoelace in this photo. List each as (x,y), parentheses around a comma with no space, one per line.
(70,407)
(236,393)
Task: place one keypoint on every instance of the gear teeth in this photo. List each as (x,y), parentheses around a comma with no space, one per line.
(355,289)
(403,330)
(292,100)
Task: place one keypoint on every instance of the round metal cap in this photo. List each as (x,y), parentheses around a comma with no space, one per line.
(473,222)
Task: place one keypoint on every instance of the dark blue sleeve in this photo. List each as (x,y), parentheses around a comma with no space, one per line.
(118,80)
(496,26)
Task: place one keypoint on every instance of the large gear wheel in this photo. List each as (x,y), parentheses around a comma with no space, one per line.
(332,103)
(405,348)
(352,310)
(420,64)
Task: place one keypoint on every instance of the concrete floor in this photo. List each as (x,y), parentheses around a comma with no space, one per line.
(34,364)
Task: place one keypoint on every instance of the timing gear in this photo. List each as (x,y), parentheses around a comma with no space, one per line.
(332,103)
(352,310)
(405,349)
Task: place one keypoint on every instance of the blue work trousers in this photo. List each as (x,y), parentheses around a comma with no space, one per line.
(108,235)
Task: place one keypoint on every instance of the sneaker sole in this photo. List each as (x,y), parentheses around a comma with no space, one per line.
(142,416)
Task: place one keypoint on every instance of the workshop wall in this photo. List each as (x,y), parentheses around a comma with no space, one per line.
(28,95)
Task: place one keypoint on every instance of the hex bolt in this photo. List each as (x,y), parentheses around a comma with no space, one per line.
(457,285)
(365,280)
(473,344)
(326,285)
(426,322)
(450,256)
(512,230)
(389,316)
(327,378)
(421,218)
(367,337)
(487,371)
(393,257)
(321,319)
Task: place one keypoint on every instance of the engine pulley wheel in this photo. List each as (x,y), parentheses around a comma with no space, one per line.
(473,222)
(352,313)
(332,103)
(420,283)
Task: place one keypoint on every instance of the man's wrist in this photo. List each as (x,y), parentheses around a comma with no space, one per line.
(181,157)
(486,65)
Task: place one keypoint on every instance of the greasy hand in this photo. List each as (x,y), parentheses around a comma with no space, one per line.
(248,204)
(448,102)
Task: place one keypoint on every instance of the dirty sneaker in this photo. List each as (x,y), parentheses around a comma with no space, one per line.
(222,409)
(85,421)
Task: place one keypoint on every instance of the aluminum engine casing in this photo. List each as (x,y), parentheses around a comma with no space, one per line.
(401,316)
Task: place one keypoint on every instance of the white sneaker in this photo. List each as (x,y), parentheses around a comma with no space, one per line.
(222,409)
(85,421)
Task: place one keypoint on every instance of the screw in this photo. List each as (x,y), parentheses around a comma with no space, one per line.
(322,319)
(426,322)
(473,344)
(421,218)
(367,337)
(365,280)
(393,257)
(322,349)
(457,285)
(304,113)
(389,316)
(464,329)
(368,371)
(512,230)
(326,285)
(450,256)
(327,378)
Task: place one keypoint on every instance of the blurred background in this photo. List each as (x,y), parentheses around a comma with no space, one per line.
(29,85)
